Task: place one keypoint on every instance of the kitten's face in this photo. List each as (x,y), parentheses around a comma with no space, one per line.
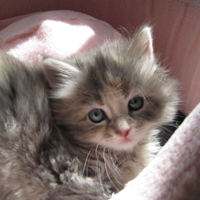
(112,97)
(116,122)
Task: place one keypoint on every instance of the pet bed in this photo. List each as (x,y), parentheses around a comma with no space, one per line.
(28,34)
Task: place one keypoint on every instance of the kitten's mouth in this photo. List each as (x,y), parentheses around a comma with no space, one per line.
(130,139)
(126,139)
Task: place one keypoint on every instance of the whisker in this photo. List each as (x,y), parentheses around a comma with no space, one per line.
(116,170)
(118,160)
(86,160)
(107,170)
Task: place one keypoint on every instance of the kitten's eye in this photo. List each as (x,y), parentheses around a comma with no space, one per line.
(97,115)
(135,103)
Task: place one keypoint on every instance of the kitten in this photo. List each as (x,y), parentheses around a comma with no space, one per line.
(83,127)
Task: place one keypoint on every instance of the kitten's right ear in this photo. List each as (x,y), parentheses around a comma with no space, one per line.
(142,44)
(58,72)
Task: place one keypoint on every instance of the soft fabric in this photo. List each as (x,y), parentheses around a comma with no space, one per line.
(54,33)
(175,173)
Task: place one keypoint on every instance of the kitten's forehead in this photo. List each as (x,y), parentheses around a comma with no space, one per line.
(109,78)
(115,103)
(107,83)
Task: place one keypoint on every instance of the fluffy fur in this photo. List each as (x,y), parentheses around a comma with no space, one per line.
(83,127)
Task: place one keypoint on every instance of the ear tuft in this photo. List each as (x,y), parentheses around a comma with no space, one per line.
(58,72)
(142,44)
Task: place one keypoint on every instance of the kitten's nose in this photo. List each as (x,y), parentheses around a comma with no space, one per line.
(125,132)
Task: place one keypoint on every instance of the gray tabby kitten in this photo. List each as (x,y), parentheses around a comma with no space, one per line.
(83,127)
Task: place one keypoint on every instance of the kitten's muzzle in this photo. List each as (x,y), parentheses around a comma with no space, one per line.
(124,133)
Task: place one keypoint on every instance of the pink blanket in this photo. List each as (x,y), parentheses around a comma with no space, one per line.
(175,172)
(55,33)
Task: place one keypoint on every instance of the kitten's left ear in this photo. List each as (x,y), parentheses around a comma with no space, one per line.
(142,44)
(58,72)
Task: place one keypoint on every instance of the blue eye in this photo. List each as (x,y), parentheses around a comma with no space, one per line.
(135,103)
(97,115)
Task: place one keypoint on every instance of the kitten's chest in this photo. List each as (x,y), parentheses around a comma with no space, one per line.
(115,171)
(117,176)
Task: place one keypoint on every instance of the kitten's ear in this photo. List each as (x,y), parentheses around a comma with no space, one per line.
(58,72)
(142,44)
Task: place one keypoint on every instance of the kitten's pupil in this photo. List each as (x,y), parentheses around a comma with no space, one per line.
(135,103)
(97,115)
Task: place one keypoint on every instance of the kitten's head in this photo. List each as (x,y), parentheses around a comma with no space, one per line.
(113,96)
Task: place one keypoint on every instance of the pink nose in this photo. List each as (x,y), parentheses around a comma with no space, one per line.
(125,132)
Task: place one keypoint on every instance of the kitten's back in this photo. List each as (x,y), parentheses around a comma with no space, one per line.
(29,144)
(24,123)
(23,92)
